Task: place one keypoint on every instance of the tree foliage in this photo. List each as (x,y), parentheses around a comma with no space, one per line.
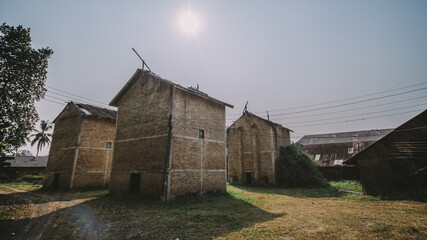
(23,72)
(42,137)
(294,168)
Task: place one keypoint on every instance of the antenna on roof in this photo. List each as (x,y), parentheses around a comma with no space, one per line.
(143,62)
(246,107)
(268,116)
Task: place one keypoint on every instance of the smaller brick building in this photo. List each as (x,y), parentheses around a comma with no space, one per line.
(253,146)
(23,165)
(332,149)
(81,150)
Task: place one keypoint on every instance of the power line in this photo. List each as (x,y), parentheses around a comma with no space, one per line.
(68,98)
(360,114)
(339,100)
(351,103)
(354,120)
(75,95)
(350,110)
(53,101)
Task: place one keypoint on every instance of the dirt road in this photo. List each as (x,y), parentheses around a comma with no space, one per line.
(42,211)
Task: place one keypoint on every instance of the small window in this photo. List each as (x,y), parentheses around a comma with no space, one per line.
(317,157)
(350,150)
(201,133)
(108,144)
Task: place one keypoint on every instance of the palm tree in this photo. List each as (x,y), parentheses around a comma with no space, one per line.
(42,138)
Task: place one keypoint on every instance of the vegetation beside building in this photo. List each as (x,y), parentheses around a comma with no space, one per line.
(294,168)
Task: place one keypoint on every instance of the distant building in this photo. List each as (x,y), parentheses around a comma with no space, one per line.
(23,165)
(332,149)
(396,165)
(253,146)
(81,150)
(170,140)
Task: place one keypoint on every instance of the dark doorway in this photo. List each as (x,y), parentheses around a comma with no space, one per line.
(55,185)
(135,183)
(249,178)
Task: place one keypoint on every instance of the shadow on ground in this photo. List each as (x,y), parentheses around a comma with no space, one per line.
(109,217)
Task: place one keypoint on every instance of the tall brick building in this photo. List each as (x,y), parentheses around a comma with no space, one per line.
(253,146)
(170,140)
(81,151)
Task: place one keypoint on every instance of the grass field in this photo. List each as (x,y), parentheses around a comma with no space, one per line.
(244,213)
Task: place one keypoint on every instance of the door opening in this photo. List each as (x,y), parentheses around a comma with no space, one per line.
(135,183)
(55,185)
(249,178)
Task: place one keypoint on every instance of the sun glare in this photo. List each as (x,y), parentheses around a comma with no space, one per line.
(189,22)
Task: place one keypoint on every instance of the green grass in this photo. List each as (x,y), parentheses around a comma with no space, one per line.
(347,185)
(23,185)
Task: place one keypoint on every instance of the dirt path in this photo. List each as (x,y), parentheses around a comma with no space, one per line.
(43,206)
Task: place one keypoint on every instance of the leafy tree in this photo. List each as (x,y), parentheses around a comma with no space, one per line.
(3,156)
(42,137)
(23,72)
(295,168)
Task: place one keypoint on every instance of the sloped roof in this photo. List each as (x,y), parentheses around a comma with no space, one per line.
(417,123)
(273,124)
(344,137)
(140,73)
(28,161)
(94,111)
(91,111)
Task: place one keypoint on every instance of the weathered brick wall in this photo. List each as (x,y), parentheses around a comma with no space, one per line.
(235,154)
(197,164)
(141,137)
(80,141)
(253,146)
(93,164)
(63,148)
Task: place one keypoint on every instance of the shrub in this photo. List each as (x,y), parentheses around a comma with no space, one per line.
(294,168)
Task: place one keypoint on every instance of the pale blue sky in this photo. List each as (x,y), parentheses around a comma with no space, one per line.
(276,54)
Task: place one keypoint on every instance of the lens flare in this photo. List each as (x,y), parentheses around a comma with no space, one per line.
(189,22)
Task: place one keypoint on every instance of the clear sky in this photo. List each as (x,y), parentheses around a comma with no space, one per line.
(274,54)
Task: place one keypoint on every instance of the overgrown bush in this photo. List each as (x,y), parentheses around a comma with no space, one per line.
(294,168)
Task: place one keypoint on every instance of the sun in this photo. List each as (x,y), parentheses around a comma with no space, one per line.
(189,22)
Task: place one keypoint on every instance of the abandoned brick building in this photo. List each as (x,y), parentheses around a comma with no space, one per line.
(253,146)
(332,149)
(396,165)
(81,150)
(170,140)
(21,166)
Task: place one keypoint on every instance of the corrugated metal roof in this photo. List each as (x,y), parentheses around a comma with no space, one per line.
(343,137)
(139,72)
(28,161)
(94,111)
